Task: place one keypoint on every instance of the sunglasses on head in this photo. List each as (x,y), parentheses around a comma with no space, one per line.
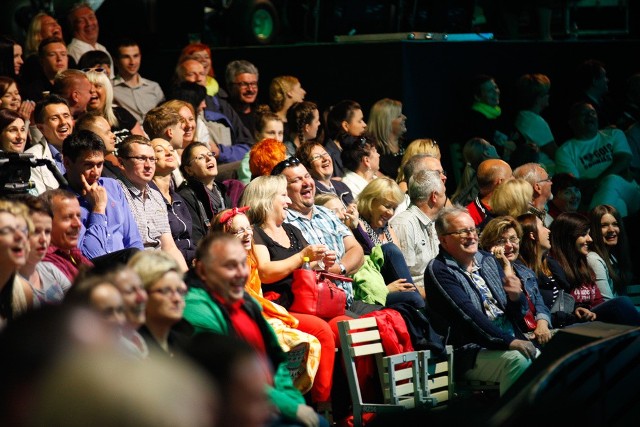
(286,163)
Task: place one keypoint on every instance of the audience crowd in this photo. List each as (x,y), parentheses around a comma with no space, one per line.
(158,234)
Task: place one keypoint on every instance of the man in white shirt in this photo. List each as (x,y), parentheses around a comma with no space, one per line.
(54,120)
(414,227)
(84,23)
(600,160)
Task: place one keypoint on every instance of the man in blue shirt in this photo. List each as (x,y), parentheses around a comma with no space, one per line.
(108,225)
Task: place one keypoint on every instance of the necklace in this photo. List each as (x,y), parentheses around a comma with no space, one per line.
(373,234)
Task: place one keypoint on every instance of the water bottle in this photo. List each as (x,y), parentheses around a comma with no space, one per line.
(305,263)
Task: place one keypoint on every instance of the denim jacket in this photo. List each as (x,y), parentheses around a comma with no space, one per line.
(530,283)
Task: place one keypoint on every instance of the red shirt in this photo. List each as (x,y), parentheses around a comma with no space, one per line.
(67,261)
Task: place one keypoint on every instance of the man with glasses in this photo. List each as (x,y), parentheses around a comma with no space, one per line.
(541,182)
(108,227)
(137,157)
(478,305)
(242,86)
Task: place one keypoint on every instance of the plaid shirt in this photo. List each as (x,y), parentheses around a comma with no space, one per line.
(324,228)
(149,211)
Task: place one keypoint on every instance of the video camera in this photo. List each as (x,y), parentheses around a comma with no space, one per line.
(15,172)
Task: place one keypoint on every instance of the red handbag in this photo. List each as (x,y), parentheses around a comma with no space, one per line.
(315,293)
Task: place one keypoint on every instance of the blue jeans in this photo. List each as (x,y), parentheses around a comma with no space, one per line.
(618,310)
(394,268)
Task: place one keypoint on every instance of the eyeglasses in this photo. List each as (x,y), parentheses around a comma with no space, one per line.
(142,159)
(465,232)
(168,291)
(286,163)
(513,240)
(241,231)
(97,70)
(203,156)
(8,230)
(319,156)
(548,179)
(247,85)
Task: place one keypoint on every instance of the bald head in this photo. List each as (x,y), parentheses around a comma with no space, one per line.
(540,181)
(491,173)
(191,70)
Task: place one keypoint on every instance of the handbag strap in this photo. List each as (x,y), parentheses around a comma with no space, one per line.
(333,276)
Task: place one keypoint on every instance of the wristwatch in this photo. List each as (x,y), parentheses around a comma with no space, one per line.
(343,269)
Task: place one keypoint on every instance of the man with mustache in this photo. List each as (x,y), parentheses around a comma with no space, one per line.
(242,85)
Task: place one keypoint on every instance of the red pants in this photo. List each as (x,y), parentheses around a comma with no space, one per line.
(329,340)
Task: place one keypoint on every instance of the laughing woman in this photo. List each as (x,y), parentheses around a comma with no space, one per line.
(121,121)
(16,296)
(609,254)
(376,206)
(501,236)
(570,240)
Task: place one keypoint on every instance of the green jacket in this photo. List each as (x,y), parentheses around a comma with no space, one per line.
(368,283)
(207,315)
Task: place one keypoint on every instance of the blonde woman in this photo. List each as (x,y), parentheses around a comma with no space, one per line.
(161,277)
(511,198)
(16,296)
(121,121)
(387,125)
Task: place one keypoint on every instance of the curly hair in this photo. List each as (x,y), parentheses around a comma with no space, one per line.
(264,155)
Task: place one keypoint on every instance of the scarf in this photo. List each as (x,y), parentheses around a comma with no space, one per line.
(486,110)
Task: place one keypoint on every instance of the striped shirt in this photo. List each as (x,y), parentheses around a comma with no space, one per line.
(149,211)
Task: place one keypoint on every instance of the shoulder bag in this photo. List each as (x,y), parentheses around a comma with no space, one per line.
(315,293)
